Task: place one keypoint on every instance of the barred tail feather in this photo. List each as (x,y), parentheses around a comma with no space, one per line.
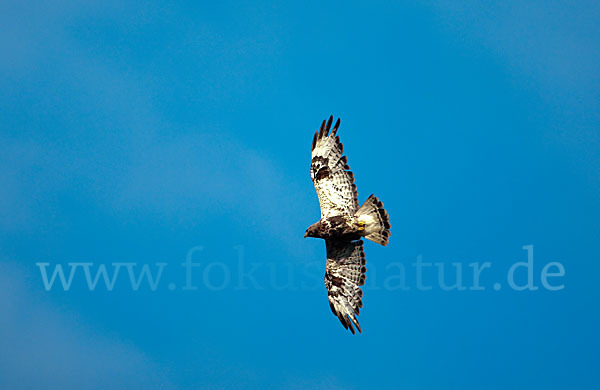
(375,219)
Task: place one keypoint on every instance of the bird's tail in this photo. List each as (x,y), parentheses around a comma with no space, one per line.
(375,221)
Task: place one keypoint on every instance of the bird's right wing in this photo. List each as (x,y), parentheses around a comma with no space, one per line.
(330,173)
(344,274)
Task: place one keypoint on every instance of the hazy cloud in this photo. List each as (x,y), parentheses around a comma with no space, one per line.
(44,346)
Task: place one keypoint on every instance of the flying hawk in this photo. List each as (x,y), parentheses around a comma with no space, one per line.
(343,224)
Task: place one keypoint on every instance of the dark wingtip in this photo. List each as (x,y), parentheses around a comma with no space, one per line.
(336,127)
(342,320)
(328,125)
(351,328)
(321,130)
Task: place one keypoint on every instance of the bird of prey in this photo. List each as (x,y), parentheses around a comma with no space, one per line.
(343,224)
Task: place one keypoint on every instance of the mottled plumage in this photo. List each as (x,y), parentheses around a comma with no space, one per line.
(342,224)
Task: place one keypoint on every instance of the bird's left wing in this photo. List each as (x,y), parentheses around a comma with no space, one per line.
(330,173)
(344,274)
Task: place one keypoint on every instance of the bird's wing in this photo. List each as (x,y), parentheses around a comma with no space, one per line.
(344,274)
(330,173)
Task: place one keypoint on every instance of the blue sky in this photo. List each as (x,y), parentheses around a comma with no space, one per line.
(136,131)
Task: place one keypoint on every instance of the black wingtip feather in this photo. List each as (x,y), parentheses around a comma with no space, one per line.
(324,131)
(349,321)
(332,308)
(335,128)
(343,320)
(357,325)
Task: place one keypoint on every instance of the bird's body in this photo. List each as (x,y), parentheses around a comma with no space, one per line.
(343,224)
(341,227)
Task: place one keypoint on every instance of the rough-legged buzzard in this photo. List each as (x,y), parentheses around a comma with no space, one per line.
(343,224)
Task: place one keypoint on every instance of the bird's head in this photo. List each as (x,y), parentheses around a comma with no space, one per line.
(312,231)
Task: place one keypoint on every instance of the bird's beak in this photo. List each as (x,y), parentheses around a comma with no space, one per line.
(305,234)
